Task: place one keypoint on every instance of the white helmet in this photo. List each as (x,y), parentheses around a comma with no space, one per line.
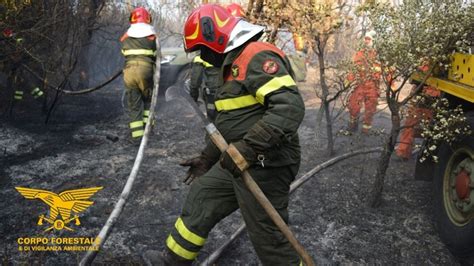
(242,32)
(370,34)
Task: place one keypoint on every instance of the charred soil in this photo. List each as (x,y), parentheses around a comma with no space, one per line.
(75,150)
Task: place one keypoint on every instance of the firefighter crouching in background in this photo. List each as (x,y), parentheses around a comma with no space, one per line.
(417,111)
(259,112)
(202,70)
(366,78)
(139,49)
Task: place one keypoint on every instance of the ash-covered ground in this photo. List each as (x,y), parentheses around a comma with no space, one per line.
(328,213)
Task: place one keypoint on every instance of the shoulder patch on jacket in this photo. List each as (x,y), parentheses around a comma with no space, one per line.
(249,52)
(270,66)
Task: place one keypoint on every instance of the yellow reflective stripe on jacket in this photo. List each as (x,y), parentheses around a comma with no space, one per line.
(235,103)
(188,235)
(179,250)
(198,59)
(273,85)
(136,124)
(139,52)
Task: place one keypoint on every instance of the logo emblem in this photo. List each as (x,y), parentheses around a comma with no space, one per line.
(235,71)
(64,207)
(270,66)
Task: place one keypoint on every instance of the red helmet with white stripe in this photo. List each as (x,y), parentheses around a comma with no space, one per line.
(236,10)
(140,15)
(209,25)
(213,26)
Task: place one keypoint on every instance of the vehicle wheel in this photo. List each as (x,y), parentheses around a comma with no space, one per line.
(454,195)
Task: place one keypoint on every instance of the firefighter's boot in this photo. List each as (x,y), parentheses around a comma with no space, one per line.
(353,124)
(164,258)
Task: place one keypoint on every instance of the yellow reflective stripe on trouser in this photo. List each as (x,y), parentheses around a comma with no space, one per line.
(188,235)
(136,124)
(138,52)
(18,95)
(146,115)
(366,126)
(235,103)
(179,250)
(138,133)
(36,92)
(137,129)
(273,85)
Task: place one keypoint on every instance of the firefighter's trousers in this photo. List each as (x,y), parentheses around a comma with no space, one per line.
(217,194)
(138,79)
(407,135)
(367,94)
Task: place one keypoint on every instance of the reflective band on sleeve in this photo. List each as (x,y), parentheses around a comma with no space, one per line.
(206,64)
(19,92)
(18,97)
(367,126)
(138,133)
(235,103)
(139,52)
(146,113)
(179,250)
(199,60)
(136,124)
(188,235)
(273,85)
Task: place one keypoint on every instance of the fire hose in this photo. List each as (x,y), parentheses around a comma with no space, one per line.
(211,260)
(252,186)
(119,205)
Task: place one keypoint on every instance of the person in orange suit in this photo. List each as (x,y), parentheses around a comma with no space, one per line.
(416,112)
(366,78)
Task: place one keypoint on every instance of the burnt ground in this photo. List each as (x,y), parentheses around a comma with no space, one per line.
(328,213)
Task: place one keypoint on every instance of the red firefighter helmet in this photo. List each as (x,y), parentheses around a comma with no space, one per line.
(213,26)
(140,15)
(236,10)
(209,25)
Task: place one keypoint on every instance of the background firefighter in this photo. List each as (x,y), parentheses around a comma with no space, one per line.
(139,49)
(417,111)
(259,112)
(366,78)
(202,70)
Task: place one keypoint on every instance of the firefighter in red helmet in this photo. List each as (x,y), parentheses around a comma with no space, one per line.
(236,10)
(259,112)
(139,49)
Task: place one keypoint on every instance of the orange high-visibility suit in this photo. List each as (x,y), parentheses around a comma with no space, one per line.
(366,78)
(416,113)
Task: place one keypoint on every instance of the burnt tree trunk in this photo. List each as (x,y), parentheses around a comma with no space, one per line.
(325,94)
(375,194)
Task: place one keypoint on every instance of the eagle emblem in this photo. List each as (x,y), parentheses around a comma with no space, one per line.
(64,207)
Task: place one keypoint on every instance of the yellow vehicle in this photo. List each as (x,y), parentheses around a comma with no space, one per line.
(453,176)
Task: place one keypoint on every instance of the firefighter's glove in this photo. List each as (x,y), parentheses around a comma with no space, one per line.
(197,167)
(242,153)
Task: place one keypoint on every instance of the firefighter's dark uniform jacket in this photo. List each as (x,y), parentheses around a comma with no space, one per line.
(140,55)
(202,70)
(259,103)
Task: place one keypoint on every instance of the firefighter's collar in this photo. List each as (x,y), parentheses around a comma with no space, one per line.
(140,30)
